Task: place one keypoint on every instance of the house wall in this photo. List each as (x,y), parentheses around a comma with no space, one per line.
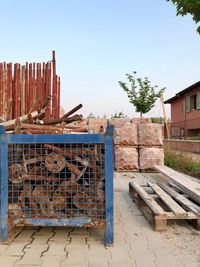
(188,120)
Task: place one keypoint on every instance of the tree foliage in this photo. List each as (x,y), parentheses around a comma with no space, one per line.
(141,93)
(119,114)
(191,7)
(157,120)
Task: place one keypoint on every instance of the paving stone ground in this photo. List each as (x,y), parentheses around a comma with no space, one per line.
(136,244)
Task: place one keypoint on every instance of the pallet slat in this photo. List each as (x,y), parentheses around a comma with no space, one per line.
(147,198)
(187,204)
(191,188)
(153,210)
(171,204)
(149,207)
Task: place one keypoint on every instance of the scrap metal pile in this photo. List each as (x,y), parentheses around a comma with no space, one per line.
(54,180)
(24,88)
(59,180)
(35,122)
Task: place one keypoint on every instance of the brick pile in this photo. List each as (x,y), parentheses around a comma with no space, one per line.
(138,145)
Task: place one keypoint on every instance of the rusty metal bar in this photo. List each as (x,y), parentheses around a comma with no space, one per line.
(54,89)
(22,91)
(67,120)
(9,86)
(26,89)
(30,87)
(58,100)
(69,113)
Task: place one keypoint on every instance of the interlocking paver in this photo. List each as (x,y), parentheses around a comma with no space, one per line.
(55,249)
(98,263)
(8,261)
(30,258)
(25,236)
(76,256)
(15,249)
(136,244)
(52,261)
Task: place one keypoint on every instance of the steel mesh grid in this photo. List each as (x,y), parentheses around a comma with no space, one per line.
(56,181)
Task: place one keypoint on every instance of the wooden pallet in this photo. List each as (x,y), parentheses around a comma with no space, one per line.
(162,202)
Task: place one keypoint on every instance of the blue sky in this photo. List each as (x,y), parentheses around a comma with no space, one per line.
(97,42)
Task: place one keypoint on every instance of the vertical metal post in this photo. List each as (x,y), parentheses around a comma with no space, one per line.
(109,183)
(3,185)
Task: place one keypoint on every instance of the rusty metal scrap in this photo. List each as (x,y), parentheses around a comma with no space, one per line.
(33,123)
(54,179)
(25,88)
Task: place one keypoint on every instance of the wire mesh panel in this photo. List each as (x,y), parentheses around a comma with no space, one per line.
(56,181)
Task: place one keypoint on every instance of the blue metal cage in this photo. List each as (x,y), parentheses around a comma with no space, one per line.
(56,180)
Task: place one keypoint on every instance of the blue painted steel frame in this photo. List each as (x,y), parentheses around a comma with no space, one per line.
(107,139)
(109,184)
(4,185)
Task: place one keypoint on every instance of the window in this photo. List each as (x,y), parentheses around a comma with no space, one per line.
(188,104)
(183,105)
(198,100)
(192,102)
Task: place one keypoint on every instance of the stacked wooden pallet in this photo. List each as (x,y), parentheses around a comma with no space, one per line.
(179,199)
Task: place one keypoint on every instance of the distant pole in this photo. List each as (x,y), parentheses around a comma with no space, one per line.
(165,117)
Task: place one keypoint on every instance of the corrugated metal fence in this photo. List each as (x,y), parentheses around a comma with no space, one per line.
(24,88)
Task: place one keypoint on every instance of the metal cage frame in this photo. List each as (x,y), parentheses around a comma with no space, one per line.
(106,139)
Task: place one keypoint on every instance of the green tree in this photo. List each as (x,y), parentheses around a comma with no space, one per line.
(119,114)
(191,7)
(157,119)
(141,93)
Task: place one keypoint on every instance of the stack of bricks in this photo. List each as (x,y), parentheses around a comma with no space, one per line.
(97,125)
(138,145)
(126,145)
(150,140)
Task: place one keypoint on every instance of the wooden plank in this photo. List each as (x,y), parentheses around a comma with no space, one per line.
(171,204)
(157,221)
(153,205)
(186,216)
(186,203)
(187,185)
